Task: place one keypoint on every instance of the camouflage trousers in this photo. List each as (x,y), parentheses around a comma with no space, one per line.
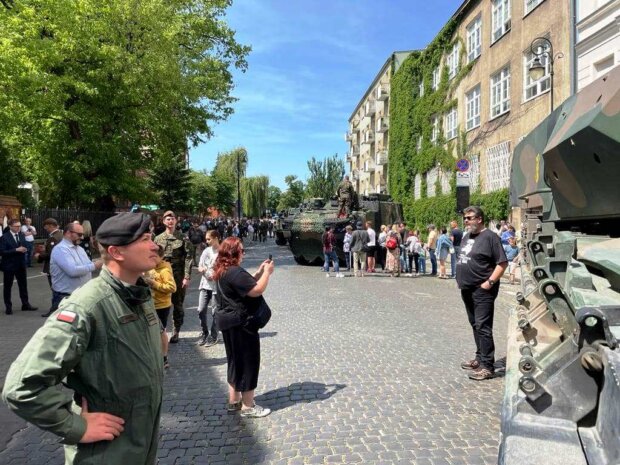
(344,206)
(178,297)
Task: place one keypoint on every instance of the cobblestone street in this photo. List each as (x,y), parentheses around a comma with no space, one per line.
(355,371)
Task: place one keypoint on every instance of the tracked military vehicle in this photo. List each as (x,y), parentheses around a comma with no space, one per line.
(303,228)
(562,398)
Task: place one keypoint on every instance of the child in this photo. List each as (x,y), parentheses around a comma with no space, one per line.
(206,287)
(161,281)
(512,254)
(421,257)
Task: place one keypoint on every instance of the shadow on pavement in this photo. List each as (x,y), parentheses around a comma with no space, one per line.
(268,334)
(304,392)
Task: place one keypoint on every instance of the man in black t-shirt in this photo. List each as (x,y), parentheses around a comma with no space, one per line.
(456,235)
(481,264)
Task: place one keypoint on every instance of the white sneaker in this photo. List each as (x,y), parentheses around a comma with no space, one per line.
(339,275)
(327,275)
(255,412)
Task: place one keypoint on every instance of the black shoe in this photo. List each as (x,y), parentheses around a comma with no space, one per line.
(210,341)
(203,340)
(9,311)
(175,338)
(47,314)
(29,308)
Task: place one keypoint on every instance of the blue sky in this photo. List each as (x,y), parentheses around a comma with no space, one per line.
(310,64)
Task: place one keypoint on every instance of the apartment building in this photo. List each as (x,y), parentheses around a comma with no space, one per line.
(499,102)
(368,134)
(597,41)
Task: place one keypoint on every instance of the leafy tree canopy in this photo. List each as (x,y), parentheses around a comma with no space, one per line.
(324,176)
(254,193)
(294,195)
(90,90)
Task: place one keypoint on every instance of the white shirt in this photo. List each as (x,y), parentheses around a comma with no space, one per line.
(25,229)
(372,237)
(207,260)
(70,267)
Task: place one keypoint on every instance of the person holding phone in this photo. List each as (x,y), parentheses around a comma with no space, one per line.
(239,296)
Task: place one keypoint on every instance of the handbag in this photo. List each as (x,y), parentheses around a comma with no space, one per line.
(391,243)
(261,316)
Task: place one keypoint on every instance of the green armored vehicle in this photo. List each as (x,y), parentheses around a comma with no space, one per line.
(303,228)
(562,398)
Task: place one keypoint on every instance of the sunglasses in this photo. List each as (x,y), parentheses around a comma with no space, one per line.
(469,218)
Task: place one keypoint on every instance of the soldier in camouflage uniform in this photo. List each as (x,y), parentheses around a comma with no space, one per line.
(346,194)
(179,251)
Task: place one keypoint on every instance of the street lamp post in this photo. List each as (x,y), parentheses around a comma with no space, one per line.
(238,188)
(541,47)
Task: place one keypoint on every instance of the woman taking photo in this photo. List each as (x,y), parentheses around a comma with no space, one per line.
(239,295)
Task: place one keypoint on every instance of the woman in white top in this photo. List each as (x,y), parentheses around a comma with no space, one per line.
(372,247)
(412,246)
(381,246)
(29,233)
(206,288)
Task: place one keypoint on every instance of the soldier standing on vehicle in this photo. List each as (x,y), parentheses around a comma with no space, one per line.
(346,194)
(104,344)
(179,251)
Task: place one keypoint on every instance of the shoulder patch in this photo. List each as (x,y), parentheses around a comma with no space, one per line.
(67,316)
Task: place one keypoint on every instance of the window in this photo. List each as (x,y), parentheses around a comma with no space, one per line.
(421,89)
(453,60)
(532,88)
(436,77)
(435,133)
(474,172)
(451,124)
(431,180)
(419,144)
(444,181)
(417,186)
(474,39)
(498,167)
(472,102)
(531,4)
(602,66)
(500,92)
(500,13)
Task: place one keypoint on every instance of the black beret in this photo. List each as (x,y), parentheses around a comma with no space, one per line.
(123,229)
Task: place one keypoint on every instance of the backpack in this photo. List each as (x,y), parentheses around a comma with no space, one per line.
(195,236)
(391,243)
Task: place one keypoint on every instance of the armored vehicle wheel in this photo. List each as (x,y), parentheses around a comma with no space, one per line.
(301,260)
(280,240)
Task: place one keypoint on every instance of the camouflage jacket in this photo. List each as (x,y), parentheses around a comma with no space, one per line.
(178,250)
(345,190)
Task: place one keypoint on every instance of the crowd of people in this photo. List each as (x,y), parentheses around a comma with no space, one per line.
(106,338)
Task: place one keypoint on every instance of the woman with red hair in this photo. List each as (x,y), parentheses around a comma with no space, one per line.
(239,295)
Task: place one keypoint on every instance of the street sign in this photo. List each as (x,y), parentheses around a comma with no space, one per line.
(462,179)
(462,165)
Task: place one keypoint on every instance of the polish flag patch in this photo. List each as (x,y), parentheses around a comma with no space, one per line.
(67,316)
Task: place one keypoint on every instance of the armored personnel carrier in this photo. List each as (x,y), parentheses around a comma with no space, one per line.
(562,398)
(303,228)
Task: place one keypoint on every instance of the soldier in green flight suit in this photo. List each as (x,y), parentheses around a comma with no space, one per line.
(105,340)
(179,251)
(346,197)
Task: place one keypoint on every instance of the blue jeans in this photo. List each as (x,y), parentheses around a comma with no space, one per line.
(28,254)
(347,256)
(56,299)
(334,258)
(433,258)
(453,257)
(422,265)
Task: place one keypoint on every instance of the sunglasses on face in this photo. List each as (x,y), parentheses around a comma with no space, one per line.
(469,218)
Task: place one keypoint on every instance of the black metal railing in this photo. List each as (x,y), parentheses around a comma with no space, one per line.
(64,216)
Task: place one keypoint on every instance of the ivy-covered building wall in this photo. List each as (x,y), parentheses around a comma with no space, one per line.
(468,94)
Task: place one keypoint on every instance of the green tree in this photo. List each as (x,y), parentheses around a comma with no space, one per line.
(225,193)
(201,192)
(88,86)
(273,198)
(294,195)
(12,174)
(254,195)
(324,176)
(170,182)
(226,164)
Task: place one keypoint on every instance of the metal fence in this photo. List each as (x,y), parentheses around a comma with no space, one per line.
(64,216)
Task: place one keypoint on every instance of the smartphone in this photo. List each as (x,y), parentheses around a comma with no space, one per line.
(270,257)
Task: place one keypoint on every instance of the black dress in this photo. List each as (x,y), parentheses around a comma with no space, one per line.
(241,341)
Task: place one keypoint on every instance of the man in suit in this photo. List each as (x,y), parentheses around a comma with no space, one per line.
(13,250)
(54,237)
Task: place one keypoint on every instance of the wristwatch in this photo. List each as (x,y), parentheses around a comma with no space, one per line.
(491,281)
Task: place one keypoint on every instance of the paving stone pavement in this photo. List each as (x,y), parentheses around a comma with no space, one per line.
(356,370)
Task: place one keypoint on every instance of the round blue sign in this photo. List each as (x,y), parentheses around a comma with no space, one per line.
(462,164)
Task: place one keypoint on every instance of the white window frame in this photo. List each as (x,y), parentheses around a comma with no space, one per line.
(431,179)
(436,78)
(474,172)
(452,123)
(435,132)
(474,39)
(421,89)
(500,22)
(530,5)
(472,105)
(453,60)
(417,186)
(500,92)
(419,144)
(498,167)
(532,88)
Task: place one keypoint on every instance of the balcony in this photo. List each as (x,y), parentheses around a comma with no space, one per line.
(382,92)
(382,124)
(382,157)
(370,108)
(369,137)
(354,175)
(369,166)
(348,137)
